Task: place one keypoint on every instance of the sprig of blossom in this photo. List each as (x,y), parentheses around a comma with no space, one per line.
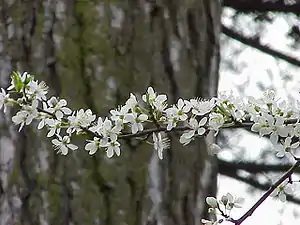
(195,117)
(223,206)
(268,116)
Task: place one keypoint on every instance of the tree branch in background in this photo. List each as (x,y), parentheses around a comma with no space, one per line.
(253,167)
(253,42)
(248,6)
(250,181)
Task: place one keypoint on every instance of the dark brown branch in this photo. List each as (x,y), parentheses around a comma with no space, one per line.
(253,42)
(252,167)
(249,6)
(245,124)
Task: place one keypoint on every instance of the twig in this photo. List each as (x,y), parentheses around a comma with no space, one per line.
(245,124)
(255,44)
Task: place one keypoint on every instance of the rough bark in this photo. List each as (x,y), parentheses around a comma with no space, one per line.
(94,53)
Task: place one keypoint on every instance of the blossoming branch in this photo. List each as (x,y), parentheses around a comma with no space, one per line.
(153,116)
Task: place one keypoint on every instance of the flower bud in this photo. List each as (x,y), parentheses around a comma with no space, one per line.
(212,202)
(224,200)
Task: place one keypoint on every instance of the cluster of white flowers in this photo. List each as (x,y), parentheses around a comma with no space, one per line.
(267,116)
(194,117)
(222,207)
(62,122)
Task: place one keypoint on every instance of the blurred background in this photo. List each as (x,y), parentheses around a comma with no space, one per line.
(94,53)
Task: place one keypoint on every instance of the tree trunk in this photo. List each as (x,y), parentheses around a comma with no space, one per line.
(94,53)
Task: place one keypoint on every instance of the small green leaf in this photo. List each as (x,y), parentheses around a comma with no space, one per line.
(17,81)
(28,79)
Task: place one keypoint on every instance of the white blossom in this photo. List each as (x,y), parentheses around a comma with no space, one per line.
(131,103)
(296,130)
(22,118)
(97,127)
(268,124)
(230,201)
(62,145)
(282,190)
(43,121)
(285,109)
(199,107)
(287,146)
(136,121)
(54,127)
(268,97)
(172,120)
(57,107)
(109,130)
(38,90)
(150,96)
(252,108)
(216,120)
(93,146)
(112,147)
(85,118)
(262,124)
(233,106)
(160,103)
(119,116)
(196,126)
(26,115)
(176,114)
(178,110)
(279,129)
(156,102)
(187,137)
(82,119)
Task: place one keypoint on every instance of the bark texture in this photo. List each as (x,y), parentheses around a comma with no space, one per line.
(94,53)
